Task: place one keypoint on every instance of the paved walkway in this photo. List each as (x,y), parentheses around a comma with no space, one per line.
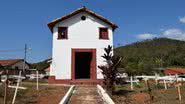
(85,95)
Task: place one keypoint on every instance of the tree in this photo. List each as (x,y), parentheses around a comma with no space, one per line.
(148,56)
(110,69)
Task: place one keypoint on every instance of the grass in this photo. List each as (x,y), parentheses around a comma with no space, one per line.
(47,94)
(140,94)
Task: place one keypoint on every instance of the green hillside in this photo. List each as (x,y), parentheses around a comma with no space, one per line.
(145,56)
(41,65)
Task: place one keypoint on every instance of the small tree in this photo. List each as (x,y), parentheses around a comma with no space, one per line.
(110,69)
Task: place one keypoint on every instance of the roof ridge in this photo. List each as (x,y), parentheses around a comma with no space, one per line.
(10,59)
(83,8)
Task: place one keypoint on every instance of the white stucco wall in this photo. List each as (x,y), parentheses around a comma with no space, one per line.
(81,34)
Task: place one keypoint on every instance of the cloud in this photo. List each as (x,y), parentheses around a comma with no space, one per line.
(174,34)
(146,36)
(182,20)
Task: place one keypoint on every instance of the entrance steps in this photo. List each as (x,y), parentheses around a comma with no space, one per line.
(85,95)
(86,82)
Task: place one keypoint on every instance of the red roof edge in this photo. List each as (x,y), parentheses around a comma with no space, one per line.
(175,70)
(82,9)
(9,62)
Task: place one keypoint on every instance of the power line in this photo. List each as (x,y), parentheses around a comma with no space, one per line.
(12,50)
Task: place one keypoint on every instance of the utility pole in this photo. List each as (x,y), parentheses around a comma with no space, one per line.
(25,55)
(25,52)
(20,73)
(6,87)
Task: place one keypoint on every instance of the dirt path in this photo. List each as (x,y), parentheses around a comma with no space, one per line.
(85,95)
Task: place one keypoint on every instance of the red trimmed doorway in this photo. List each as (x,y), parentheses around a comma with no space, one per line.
(83,68)
(83,65)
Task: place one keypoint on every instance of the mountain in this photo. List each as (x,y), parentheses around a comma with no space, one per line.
(145,56)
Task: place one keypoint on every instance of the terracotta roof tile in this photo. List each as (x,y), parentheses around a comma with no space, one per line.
(175,71)
(47,69)
(82,9)
(9,62)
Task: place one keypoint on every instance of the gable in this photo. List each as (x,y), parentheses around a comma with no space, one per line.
(80,10)
(76,21)
(79,29)
(19,65)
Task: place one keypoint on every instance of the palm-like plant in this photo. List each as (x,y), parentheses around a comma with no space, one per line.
(110,69)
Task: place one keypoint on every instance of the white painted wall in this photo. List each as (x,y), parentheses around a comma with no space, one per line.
(81,34)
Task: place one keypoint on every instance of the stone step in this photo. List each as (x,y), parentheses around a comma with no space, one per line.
(85,95)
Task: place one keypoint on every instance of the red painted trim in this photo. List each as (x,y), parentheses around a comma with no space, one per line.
(93,63)
(107,34)
(72,65)
(52,80)
(61,29)
(93,77)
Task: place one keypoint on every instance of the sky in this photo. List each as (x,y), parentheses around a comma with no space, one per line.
(25,22)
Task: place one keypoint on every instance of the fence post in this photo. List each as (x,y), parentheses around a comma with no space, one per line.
(37,80)
(156,79)
(145,79)
(176,76)
(131,83)
(15,93)
(179,92)
(182,81)
(6,88)
(149,90)
(170,78)
(165,86)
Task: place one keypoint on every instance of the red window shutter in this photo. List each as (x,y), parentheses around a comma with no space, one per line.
(59,33)
(62,33)
(103,33)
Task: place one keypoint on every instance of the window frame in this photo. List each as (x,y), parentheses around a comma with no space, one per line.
(59,37)
(107,33)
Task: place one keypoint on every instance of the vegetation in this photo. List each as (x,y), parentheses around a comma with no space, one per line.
(41,65)
(123,94)
(146,56)
(46,95)
(110,69)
